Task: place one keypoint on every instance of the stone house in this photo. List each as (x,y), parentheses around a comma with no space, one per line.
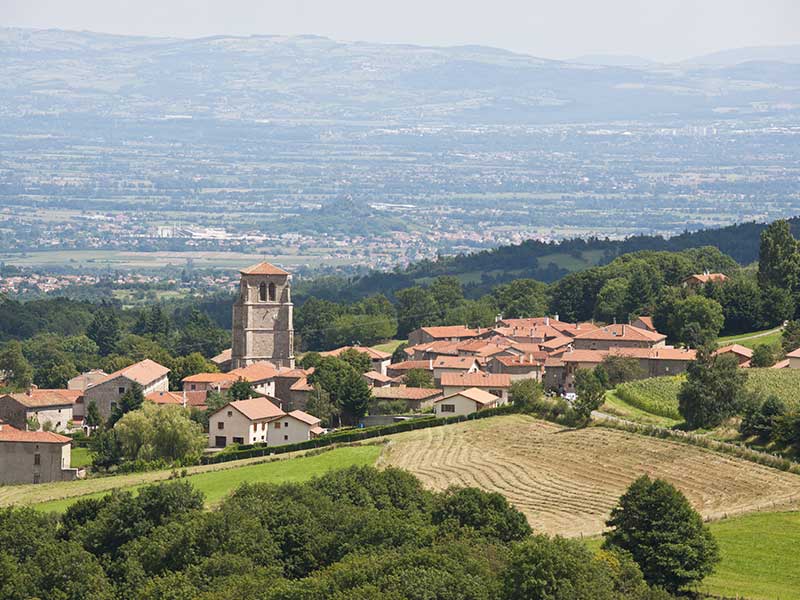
(375,379)
(55,407)
(84,380)
(34,456)
(699,280)
(453,365)
(465,402)
(449,333)
(743,354)
(529,366)
(150,375)
(618,336)
(415,398)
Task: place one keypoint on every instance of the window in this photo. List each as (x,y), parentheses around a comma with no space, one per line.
(220,441)
(113,405)
(262,292)
(121,390)
(286,424)
(193,387)
(230,413)
(286,437)
(278,425)
(448,408)
(272,292)
(238,440)
(220,425)
(37,459)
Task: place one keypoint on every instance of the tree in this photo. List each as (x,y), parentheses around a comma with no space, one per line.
(644,283)
(399,354)
(320,405)
(310,360)
(131,400)
(666,537)
(186,366)
(488,513)
(590,393)
(360,361)
(241,390)
(525,393)
(160,432)
(611,300)
(17,370)
(764,355)
(760,416)
(93,419)
(778,257)
(419,378)
(790,337)
(446,291)
(700,319)
(713,390)
(354,397)
(104,330)
(617,369)
(777,305)
(198,333)
(106,451)
(416,307)
(521,298)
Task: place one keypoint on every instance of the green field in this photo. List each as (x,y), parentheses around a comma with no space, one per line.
(80,458)
(759,557)
(618,407)
(390,346)
(217,484)
(756,338)
(659,395)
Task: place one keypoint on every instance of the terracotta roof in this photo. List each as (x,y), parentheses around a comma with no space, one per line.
(436,347)
(12,434)
(562,327)
(583,356)
(263,268)
(478,395)
(784,364)
(736,349)
(555,343)
(478,379)
(317,430)
(258,371)
(195,399)
(706,277)
(255,409)
(451,331)
(208,378)
(596,356)
(794,354)
(375,376)
(36,398)
(532,359)
(294,373)
(524,347)
(301,385)
(305,417)
(371,352)
(647,322)
(454,362)
(143,372)
(223,356)
(404,393)
(407,365)
(621,331)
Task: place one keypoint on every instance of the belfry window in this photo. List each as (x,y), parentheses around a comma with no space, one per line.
(262,292)
(272,292)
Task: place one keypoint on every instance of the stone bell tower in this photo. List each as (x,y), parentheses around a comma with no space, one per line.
(262,318)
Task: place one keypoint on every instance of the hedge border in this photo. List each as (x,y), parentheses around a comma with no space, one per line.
(256,450)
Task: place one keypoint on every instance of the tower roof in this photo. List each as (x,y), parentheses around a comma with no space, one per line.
(263,268)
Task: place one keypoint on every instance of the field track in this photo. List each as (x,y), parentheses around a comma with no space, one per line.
(567,481)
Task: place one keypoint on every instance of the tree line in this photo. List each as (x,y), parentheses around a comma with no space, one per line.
(354,533)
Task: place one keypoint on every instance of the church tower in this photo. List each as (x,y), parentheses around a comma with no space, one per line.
(262,318)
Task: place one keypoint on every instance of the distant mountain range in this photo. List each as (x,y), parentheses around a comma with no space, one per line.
(53,72)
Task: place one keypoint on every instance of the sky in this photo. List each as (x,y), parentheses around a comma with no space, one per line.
(664,30)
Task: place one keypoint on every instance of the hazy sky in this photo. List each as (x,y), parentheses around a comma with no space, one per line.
(659,29)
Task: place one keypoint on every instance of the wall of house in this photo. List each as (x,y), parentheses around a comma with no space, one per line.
(501,393)
(59,416)
(580,344)
(460,404)
(234,425)
(108,393)
(12,412)
(380,366)
(17,463)
(287,430)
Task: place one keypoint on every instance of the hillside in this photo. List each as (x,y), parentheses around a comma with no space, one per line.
(567,481)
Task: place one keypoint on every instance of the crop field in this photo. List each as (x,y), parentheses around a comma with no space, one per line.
(659,395)
(567,481)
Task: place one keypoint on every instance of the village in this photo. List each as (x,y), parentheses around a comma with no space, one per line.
(471,369)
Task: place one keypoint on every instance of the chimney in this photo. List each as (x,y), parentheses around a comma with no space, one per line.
(184,399)
(555,316)
(547,321)
(498,318)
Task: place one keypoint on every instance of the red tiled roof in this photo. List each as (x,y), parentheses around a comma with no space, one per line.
(706,277)
(476,394)
(223,356)
(12,434)
(305,417)
(258,371)
(478,379)
(375,376)
(255,409)
(407,365)
(301,385)
(404,393)
(647,322)
(736,349)
(451,331)
(794,354)
(555,343)
(36,398)
(532,359)
(784,364)
(436,347)
(263,268)
(621,331)
(208,378)
(371,352)
(454,362)
(195,399)
(143,372)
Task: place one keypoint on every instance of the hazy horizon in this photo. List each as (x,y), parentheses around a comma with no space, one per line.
(665,32)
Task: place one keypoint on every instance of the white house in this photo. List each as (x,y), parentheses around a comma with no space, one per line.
(259,420)
(465,402)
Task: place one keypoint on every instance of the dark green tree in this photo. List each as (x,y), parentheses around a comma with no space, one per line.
(416,307)
(790,337)
(104,330)
(521,298)
(360,361)
(760,416)
(666,537)
(617,369)
(488,513)
(764,355)
(419,378)
(354,397)
(93,419)
(17,369)
(713,390)
(778,257)
(241,390)
(446,292)
(590,392)
(525,393)
(132,399)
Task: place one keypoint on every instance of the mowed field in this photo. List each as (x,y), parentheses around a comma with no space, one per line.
(566,481)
